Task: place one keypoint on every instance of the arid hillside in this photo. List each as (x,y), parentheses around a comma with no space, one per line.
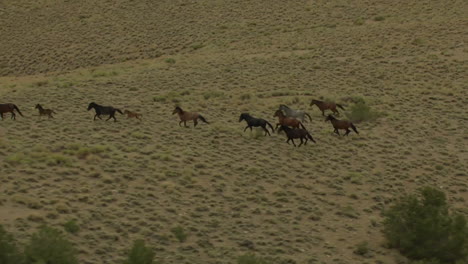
(230,192)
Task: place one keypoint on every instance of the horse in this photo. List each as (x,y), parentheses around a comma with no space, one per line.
(45,112)
(255,122)
(187,116)
(296,133)
(9,108)
(294,113)
(104,110)
(341,124)
(324,106)
(132,114)
(287,121)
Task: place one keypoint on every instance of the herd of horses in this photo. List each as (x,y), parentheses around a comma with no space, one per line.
(289,120)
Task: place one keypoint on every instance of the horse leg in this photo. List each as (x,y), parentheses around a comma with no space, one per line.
(113,116)
(246,128)
(347,131)
(195,122)
(293,142)
(185,123)
(180,123)
(266,131)
(13,115)
(337,132)
(323,112)
(301,142)
(287,141)
(110,116)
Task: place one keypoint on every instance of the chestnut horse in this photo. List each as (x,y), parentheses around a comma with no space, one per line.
(131,114)
(324,106)
(9,108)
(287,121)
(341,124)
(187,116)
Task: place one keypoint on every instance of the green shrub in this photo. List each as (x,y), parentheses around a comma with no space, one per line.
(179,233)
(140,254)
(71,227)
(362,249)
(360,112)
(49,246)
(250,259)
(422,228)
(170,61)
(8,252)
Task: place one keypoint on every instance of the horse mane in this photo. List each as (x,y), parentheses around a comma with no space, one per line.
(285,106)
(180,109)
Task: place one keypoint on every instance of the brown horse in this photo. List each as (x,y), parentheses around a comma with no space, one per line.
(9,108)
(300,133)
(341,124)
(287,121)
(45,112)
(187,116)
(132,115)
(324,106)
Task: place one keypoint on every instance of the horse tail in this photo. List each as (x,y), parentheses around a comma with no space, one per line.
(203,119)
(310,118)
(17,109)
(354,128)
(118,110)
(310,137)
(272,130)
(302,125)
(340,106)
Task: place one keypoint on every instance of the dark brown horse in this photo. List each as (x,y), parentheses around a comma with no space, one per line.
(300,133)
(255,122)
(103,110)
(341,124)
(324,106)
(45,112)
(287,121)
(187,116)
(9,108)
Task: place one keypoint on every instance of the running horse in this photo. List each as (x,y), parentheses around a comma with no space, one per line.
(103,110)
(341,124)
(255,122)
(289,112)
(9,108)
(287,121)
(300,133)
(45,112)
(187,116)
(325,106)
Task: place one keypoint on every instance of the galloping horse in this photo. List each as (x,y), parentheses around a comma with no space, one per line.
(324,106)
(132,114)
(296,133)
(9,108)
(287,121)
(341,124)
(187,116)
(45,112)
(255,122)
(104,110)
(289,112)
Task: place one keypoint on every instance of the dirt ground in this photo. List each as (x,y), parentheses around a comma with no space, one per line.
(231,192)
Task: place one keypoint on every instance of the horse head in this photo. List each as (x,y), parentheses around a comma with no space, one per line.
(330,118)
(91,105)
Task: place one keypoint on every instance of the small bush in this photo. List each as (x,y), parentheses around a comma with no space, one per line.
(360,112)
(170,61)
(179,233)
(140,254)
(362,249)
(8,252)
(71,227)
(250,259)
(49,246)
(423,229)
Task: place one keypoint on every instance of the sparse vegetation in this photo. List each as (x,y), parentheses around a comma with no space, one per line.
(423,228)
(362,112)
(179,233)
(250,259)
(71,227)
(9,253)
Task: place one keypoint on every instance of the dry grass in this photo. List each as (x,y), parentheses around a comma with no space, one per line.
(232,193)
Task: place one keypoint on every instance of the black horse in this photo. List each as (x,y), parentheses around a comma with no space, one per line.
(104,110)
(255,122)
(293,133)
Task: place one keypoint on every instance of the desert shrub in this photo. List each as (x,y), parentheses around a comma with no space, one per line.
(48,245)
(140,254)
(9,254)
(170,61)
(362,249)
(361,111)
(422,228)
(71,227)
(250,259)
(179,233)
